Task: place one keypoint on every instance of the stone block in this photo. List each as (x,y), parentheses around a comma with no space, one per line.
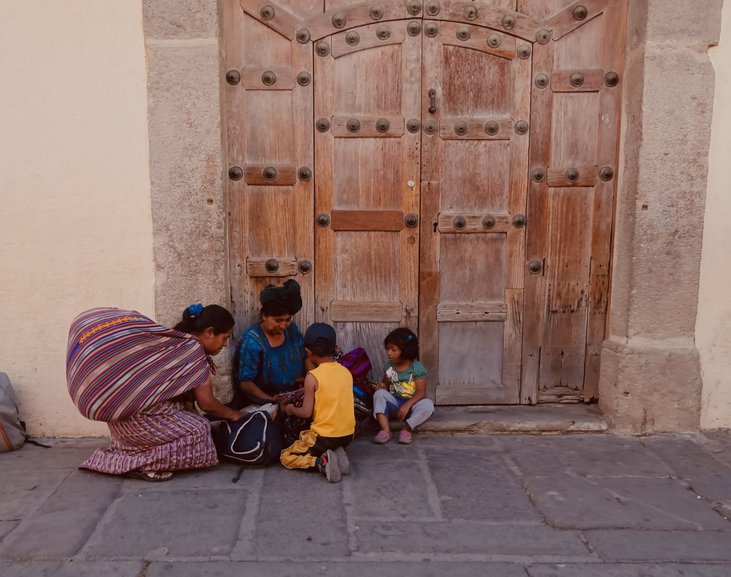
(61,455)
(225,476)
(431,540)
(180,19)
(334,569)
(669,546)
(691,22)
(73,569)
(6,527)
(185,170)
(595,455)
(630,377)
(487,488)
(170,523)
(627,570)
(23,489)
(85,494)
(621,503)
(315,525)
(373,498)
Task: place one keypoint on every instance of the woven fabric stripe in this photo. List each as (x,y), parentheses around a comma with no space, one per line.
(119,363)
(162,438)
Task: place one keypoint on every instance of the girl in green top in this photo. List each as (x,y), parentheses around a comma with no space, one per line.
(404,392)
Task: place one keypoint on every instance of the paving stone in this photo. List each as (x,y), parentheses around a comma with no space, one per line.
(627,570)
(224,476)
(73,569)
(686,456)
(374,498)
(594,455)
(678,546)
(334,569)
(6,527)
(64,455)
(456,537)
(158,524)
(65,520)
(23,490)
(300,515)
(487,490)
(621,503)
(718,443)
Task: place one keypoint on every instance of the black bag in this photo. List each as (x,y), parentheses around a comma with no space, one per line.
(255,439)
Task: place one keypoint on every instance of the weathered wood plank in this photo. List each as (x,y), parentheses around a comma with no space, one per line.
(572,176)
(465,223)
(476,128)
(273,174)
(257,267)
(368,126)
(367,220)
(350,311)
(282,20)
(268,78)
(462,312)
(371,36)
(566,81)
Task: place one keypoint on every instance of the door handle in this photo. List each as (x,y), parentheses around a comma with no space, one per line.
(432,100)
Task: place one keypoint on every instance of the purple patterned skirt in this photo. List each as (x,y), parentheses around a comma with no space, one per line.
(164,437)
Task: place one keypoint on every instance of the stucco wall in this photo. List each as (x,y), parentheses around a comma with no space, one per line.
(713,329)
(75,224)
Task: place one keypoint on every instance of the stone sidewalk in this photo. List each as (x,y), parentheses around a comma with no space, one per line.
(455,505)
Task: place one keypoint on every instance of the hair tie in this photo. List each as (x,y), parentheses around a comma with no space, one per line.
(195,310)
(410,338)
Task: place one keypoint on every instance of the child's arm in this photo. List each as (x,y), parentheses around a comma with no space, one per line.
(419,393)
(308,402)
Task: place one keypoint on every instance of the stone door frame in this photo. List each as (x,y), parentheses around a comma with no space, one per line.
(650,379)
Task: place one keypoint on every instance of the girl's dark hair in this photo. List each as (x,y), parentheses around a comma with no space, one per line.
(197,318)
(406,341)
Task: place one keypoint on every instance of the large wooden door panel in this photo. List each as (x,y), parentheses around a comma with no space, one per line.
(367,166)
(475,158)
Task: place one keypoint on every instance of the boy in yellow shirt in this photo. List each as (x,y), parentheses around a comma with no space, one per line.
(328,399)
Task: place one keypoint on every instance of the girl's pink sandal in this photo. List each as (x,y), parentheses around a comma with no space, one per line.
(404,437)
(382,437)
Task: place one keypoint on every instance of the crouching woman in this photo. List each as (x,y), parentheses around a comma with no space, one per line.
(141,378)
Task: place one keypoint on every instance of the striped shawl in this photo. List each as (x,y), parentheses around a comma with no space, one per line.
(120,362)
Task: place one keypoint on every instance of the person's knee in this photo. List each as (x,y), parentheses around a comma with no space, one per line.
(426,407)
(380,401)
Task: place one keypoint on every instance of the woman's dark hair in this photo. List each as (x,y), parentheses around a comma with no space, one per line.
(406,341)
(281,300)
(197,318)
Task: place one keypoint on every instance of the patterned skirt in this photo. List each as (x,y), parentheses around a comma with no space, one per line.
(164,437)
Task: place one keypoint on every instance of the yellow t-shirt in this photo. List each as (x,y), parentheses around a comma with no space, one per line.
(333,414)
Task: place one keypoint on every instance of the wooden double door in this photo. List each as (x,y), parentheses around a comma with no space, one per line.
(442,165)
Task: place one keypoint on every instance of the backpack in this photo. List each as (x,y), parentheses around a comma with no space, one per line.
(12,429)
(255,439)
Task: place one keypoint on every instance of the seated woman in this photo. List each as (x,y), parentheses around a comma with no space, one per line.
(271,352)
(139,377)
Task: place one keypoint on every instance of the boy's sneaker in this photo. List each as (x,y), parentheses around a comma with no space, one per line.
(343,462)
(327,464)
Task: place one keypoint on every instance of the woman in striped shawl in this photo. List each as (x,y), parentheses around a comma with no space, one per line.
(141,379)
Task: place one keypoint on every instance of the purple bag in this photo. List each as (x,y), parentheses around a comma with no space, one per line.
(358,363)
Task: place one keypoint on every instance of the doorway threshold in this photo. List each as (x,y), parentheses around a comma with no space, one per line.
(538,419)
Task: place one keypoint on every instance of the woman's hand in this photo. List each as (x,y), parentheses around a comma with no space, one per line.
(208,403)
